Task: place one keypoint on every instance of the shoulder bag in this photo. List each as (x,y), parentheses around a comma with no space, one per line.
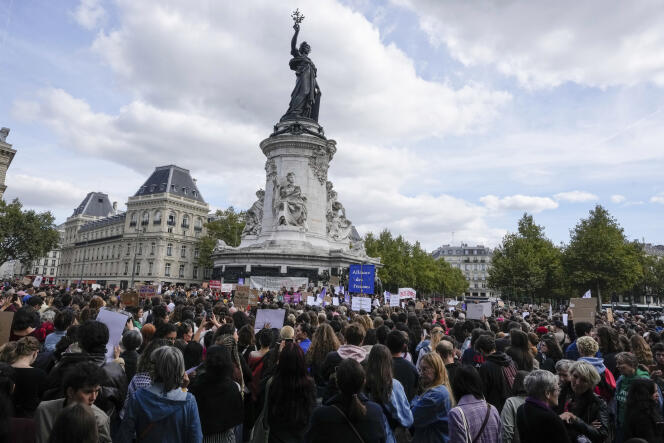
(467,429)
(357,434)
(261,431)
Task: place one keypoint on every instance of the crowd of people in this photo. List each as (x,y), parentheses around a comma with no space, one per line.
(191,367)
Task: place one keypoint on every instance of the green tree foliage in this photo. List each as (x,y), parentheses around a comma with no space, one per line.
(227,225)
(599,257)
(526,264)
(407,265)
(25,235)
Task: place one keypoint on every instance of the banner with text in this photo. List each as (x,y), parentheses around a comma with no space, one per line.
(407,293)
(276,283)
(361,278)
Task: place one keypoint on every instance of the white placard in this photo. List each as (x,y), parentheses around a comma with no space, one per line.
(311,300)
(386,296)
(394,301)
(116,322)
(339,289)
(525,314)
(275,317)
(452,303)
(407,293)
(226,287)
(37,282)
(475,311)
(358,303)
(565,319)
(335,301)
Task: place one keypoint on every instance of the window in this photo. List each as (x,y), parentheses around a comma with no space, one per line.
(157,218)
(171,219)
(173,188)
(185,221)
(153,245)
(169,249)
(181,271)
(44,271)
(140,249)
(195,275)
(167,270)
(128,249)
(52,271)
(183,251)
(150,264)
(194,193)
(198,224)
(146,219)
(36,271)
(185,191)
(196,252)
(134,219)
(137,268)
(126,268)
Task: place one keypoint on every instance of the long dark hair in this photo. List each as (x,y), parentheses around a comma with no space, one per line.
(640,402)
(467,381)
(291,396)
(519,350)
(379,374)
(609,340)
(350,380)
(554,353)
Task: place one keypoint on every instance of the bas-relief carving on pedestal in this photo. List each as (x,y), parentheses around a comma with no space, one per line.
(254,216)
(289,206)
(319,162)
(270,169)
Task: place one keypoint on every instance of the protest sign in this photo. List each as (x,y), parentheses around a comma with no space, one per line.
(609,315)
(405,293)
(584,309)
(26,281)
(37,281)
(394,300)
(359,303)
(386,296)
(475,311)
(116,322)
(339,289)
(226,287)
(215,284)
(334,280)
(241,295)
(253,296)
(147,291)
(335,301)
(297,297)
(525,314)
(361,278)
(275,317)
(6,319)
(419,305)
(565,319)
(311,300)
(129,298)
(327,300)
(204,285)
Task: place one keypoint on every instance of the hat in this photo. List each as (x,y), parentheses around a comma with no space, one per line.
(542,330)
(287,333)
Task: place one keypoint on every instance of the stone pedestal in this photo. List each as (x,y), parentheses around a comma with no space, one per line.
(297,222)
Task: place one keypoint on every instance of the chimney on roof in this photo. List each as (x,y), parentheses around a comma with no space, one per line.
(194,180)
(115,207)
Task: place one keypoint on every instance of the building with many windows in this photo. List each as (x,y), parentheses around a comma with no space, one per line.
(474,262)
(153,242)
(6,156)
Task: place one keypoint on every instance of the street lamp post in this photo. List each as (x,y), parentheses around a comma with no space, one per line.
(80,280)
(133,262)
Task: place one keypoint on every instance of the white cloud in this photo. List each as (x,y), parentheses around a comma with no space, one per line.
(575,196)
(617,198)
(89,13)
(545,44)
(518,202)
(40,192)
(659,198)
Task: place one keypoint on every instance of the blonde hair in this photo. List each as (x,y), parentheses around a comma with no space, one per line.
(441,378)
(587,346)
(12,351)
(586,371)
(436,337)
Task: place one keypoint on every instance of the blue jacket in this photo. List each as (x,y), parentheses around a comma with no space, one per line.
(398,410)
(430,415)
(172,417)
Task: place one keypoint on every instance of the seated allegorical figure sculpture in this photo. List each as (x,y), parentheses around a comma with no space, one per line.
(254,215)
(290,206)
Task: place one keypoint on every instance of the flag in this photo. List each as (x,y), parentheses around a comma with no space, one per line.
(587,294)
(321,296)
(550,311)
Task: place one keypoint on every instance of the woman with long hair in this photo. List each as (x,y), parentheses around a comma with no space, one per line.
(213,382)
(291,396)
(348,416)
(549,353)
(642,414)
(323,342)
(609,345)
(436,336)
(388,392)
(519,350)
(641,349)
(473,419)
(430,409)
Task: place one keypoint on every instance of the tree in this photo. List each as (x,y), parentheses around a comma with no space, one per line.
(227,225)
(526,263)
(599,257)
(406,265)
(25,235)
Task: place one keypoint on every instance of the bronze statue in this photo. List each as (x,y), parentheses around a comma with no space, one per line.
(305,98)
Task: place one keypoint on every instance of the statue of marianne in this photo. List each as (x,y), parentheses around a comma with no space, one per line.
(305,98)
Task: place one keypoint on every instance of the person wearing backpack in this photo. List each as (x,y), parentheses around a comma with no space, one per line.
(606,387)
(497,373)
(473,420)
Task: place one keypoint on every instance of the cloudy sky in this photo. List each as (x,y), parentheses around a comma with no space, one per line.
(451,118)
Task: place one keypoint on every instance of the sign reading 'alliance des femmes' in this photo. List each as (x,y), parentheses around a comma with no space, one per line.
(361,278)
